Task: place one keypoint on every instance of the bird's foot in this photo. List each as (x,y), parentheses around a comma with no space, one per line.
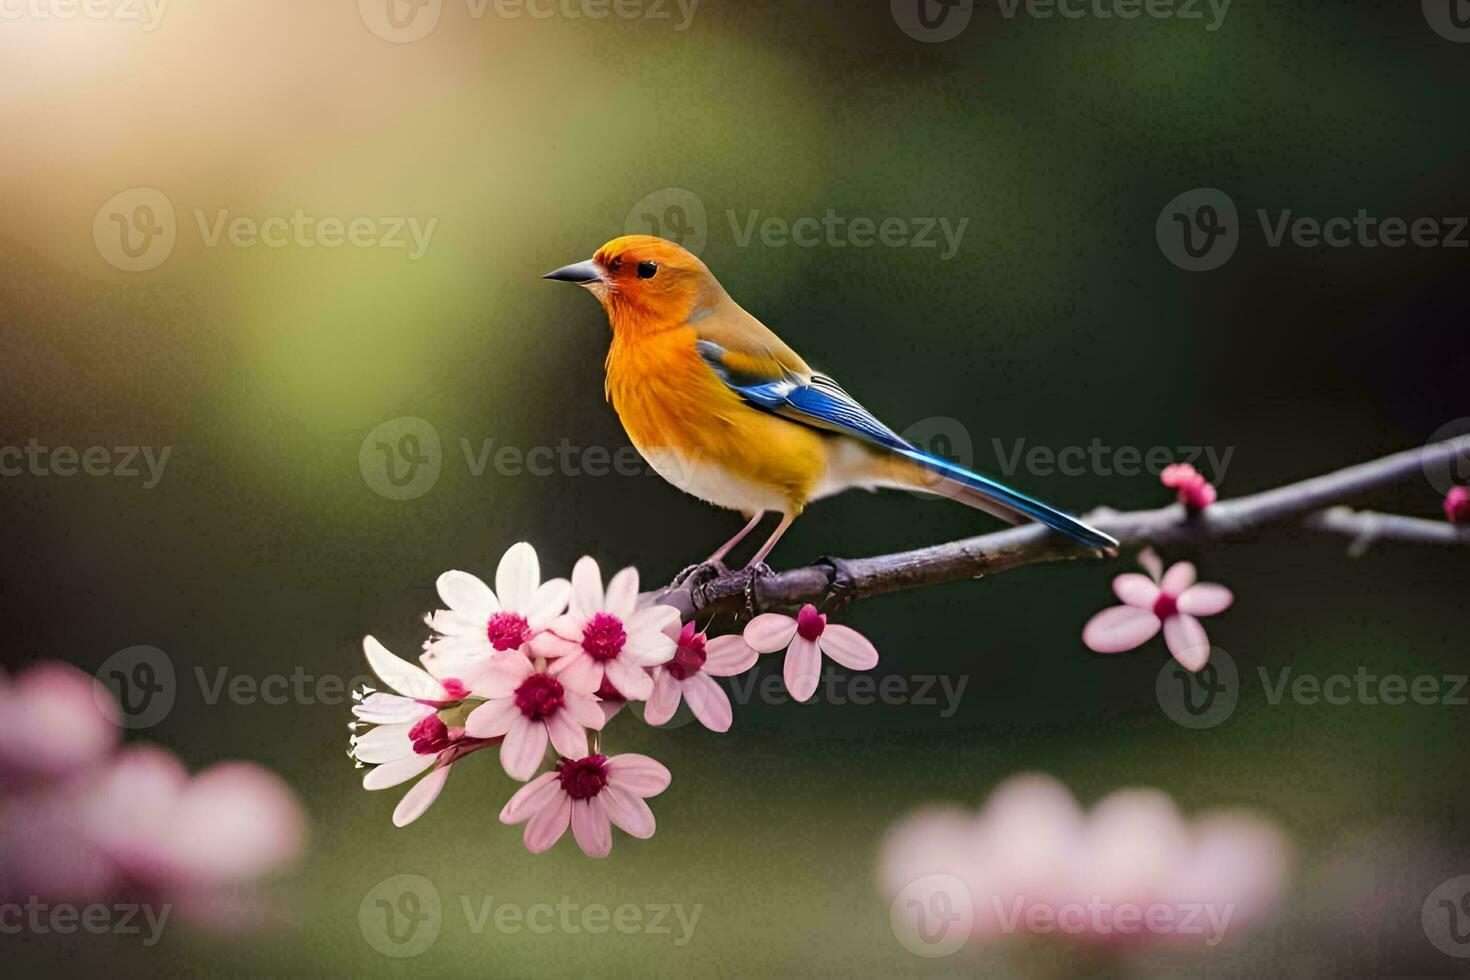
(705,571)
(754,573)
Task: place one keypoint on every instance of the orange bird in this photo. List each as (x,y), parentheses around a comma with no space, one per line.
(721,408)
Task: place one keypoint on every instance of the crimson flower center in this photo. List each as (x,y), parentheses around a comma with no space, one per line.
(689,657)
(539,696)
(507,630)
(1165,605)
(584,778)
(430,736)
(810,623)
(603,637)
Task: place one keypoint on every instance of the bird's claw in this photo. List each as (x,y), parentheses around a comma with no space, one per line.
(701,573)
(753,575)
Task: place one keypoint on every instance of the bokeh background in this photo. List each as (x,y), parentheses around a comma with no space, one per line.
(267,547)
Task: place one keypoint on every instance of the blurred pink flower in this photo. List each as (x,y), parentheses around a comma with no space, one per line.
(480,623)
(1457,505)
(1194,491)
(1171,600)
(589,794)
(805,639)
(409,736)
(526,707)
(605,635)
(1132,871)
(691,674)
(55,721)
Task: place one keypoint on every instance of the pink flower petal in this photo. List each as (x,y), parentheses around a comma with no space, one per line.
(649,648)
(1186,639)
(1179,577)
(493,718)
(567,737)
(517,577)
(55,721)
(769,632)
(382,709)
(578,672)
(664,700)
(386,743)
(708,702)
(637,774)
(585,710)
(1149,559)
(1133,589)
(399,771)
(549,645)
(803,668)
(524,748)
(1119,628)
(548,602)
(586,587)
(848,647)
(726,656)
(609,710)
(407,679)
(236,821)
(631,680)
(1205,599)
(622,593)
(591,828)
(547,825)
(629,812)
(467,595)
(659,618)
(420,797)
(531,798)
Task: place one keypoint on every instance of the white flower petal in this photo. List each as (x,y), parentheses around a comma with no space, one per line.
(622,593)
(396,772)
(517,577)
(386,743)
(466,594)
(421,797)
(405,678)
(586,588)
(549,602)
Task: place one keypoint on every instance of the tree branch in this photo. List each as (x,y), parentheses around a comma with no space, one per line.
(833,582)
(1367,528)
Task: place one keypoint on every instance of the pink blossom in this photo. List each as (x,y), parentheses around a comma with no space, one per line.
(480,623)
(1194,491)
(55,720)
(605,635)
(1171,600)
(410,735)
(690,676)
(528,706)
(1033,859)
(589,794)
(805,638)
(1457,505)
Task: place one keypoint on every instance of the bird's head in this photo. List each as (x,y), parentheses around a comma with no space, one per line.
(645,283)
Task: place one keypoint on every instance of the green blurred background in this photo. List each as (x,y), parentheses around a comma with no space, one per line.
(264,548)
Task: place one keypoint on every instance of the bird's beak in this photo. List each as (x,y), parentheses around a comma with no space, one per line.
(581,273)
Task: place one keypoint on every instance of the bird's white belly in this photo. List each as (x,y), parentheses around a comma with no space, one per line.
(711,482)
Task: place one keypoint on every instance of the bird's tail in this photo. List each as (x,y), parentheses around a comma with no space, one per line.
(916,469)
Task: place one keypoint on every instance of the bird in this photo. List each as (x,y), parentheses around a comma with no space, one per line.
(723,409)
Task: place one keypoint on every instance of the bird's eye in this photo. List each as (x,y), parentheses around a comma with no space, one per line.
(646,270)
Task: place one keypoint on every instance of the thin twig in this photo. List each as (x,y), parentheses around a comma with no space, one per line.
(1366,528)
(833,582)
